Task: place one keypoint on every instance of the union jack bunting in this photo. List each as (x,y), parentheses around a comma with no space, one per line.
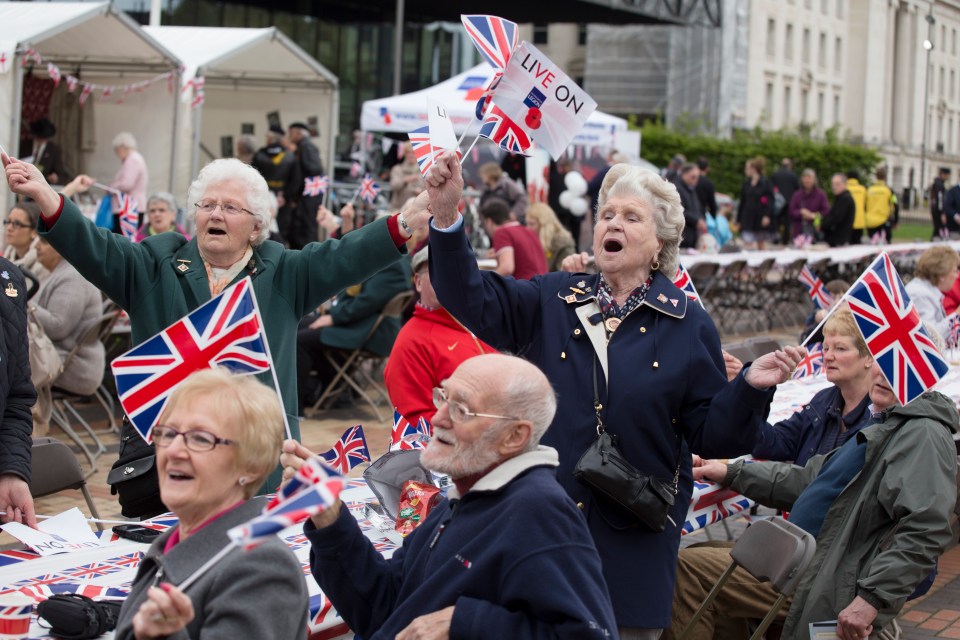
(405,436)
(953,332)
(128,216)
(893,331)
(812,364)
(815,287)
(39,593)
(685,283)
(324,622)
(369,189)
(315,185)
(225,331)
(713,505)
(494,37)
(506,133)
(318,492)
(349,451)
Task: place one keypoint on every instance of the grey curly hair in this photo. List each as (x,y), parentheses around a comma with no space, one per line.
(627,181)
(257,194)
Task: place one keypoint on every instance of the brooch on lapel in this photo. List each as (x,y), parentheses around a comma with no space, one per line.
(182,267)
(11,291)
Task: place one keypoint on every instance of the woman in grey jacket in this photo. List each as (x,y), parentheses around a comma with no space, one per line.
(232,429)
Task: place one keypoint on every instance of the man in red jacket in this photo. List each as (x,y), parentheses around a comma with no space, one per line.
(429,347)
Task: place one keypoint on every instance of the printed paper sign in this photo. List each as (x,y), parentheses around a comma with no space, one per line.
(67,532)
(538,95)
(442,135)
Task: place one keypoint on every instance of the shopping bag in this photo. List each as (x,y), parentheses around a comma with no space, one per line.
(105,213)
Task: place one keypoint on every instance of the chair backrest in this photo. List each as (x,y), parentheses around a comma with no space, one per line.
(775,551)
(393,309)
(93,331)
(761,346)
(54,468)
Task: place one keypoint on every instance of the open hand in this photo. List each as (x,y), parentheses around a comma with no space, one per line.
(774,368)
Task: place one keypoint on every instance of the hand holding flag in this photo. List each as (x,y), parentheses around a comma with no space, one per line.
(812,363)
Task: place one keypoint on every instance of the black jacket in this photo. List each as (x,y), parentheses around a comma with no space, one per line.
(838,223)
(787,184)
(692,212)
(17,394)
(756,201)
(708,195)
(278,166)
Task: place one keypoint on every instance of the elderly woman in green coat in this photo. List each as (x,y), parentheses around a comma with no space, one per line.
(166,276)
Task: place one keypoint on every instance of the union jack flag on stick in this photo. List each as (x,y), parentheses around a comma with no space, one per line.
(420,141)
(507,134)
(815,287)
(128,216)
(316,185)
(812,364)
(369,189)
(685,283)
(225,331)
(953,332)
(495,38)
(406,436)
(893,331)
(349,451)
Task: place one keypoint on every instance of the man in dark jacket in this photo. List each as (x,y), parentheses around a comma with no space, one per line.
(695,223)
(951,209)
(17,396)
(279,167)
(303,225)
(838,223)
(47,154)
(937,211)
(786,183)
(705,189)
(507,555)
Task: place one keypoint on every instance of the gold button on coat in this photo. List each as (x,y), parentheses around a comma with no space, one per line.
(643,329)
(580,506)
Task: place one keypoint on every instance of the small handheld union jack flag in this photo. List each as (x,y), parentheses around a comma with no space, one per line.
(317,490)
(812,364)
(685,283)
(315,185)
(483,104)
(407,437)
(226,331)
(420,141)
(893,331)
(128,216)
(506,133)
(369,189)
(953,331)
(815,287)
(349,451)
(494,37)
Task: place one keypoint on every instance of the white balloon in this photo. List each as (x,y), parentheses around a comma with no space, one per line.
(566,198)
(578,207)
(573,180)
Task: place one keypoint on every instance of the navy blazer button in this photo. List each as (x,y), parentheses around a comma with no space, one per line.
(576,332)
(656,365)
(563,355)
(580,506)
(643,329)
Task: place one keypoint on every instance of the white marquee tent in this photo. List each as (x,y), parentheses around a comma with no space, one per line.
(100,45)
(459,94)
(247,73)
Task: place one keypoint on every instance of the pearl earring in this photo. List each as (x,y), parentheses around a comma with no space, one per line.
(243,480)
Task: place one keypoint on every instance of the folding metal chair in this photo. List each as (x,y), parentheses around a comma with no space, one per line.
(55,468)
(774,551)
(351,365)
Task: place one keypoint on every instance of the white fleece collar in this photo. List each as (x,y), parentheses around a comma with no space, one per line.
(504,473)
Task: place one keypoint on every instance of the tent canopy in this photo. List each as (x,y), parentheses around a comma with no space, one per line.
(459,94)
(247,73)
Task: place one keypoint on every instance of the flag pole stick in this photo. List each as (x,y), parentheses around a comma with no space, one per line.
(273,368)
(104,187)
(206,566)
(464,134)
(469,149)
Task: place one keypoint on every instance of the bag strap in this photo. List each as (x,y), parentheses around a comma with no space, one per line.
(598,408)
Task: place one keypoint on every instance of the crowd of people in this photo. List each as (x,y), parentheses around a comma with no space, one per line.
(521,546)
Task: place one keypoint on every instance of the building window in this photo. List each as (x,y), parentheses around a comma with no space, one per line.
(953,84)
(949,134)
(953,41)
(836,109)
(806,46)
(824,7)
(771,37)
(540,33)
(582,35)
(787,98)
(768,103)
(933,85)
(943,36)
(788,44)
(820,107)
(804,96)
(822,51)
(942,82)
(838,55)
(840,9)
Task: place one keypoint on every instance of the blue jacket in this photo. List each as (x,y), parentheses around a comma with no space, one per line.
(513,557)
(814,430)
(666,380)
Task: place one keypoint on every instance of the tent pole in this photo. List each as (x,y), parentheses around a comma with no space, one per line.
(398,49)
(13,145)
(174,145)
(154,13)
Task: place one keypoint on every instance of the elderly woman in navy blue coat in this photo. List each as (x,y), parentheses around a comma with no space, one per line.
(660,374)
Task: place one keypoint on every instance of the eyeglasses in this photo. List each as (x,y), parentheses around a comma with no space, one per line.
(15,224)
(199,441)
(458,412)
(228,208)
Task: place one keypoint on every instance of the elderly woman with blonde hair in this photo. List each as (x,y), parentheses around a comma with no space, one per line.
(934,275)
(623,347)
(216,442)
(556,240)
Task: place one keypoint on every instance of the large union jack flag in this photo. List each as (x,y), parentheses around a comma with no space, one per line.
(313,489)
(225,331)
(315,185)
(815,287)
(893,331)
(685,283)
(128,216)
(506,133)
(713,504)
(406,436)
(494,37)
(812,363)
(369,189)
(349,451)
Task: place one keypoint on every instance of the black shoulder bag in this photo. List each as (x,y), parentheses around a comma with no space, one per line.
(604,469)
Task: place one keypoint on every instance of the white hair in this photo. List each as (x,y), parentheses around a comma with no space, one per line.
(627,181)
(257,194)
(164,197)
(124,139)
